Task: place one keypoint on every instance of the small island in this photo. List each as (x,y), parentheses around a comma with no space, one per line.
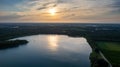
(12,43)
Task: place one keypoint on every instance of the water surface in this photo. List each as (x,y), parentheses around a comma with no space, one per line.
(48,51)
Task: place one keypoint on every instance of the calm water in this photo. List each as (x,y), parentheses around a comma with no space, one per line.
(48,51)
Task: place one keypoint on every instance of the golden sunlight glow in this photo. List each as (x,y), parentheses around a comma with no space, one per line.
(53,42)
(52,11)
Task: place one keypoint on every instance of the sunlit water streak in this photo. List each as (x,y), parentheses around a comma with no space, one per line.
(53,42)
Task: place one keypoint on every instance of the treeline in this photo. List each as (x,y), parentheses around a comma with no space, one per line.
(12,43)
(96,32)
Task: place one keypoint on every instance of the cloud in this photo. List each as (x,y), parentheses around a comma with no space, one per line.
(47,5)
(41,8)
(115,6)
(8,16)
(75,10)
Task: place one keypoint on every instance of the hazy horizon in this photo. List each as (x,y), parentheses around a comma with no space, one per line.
(65,22)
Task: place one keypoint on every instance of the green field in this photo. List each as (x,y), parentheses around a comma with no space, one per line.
(111,50)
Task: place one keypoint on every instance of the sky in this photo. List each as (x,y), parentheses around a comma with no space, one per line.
(104,11)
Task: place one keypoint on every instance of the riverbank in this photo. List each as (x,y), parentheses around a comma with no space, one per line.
(97,60)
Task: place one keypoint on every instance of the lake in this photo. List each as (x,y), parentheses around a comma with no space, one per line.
(48,51)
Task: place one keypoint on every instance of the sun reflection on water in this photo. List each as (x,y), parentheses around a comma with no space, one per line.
(53,42)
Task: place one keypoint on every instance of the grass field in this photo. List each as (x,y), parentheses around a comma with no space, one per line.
(111,50)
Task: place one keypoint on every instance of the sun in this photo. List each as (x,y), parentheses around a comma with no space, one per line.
(52,11)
